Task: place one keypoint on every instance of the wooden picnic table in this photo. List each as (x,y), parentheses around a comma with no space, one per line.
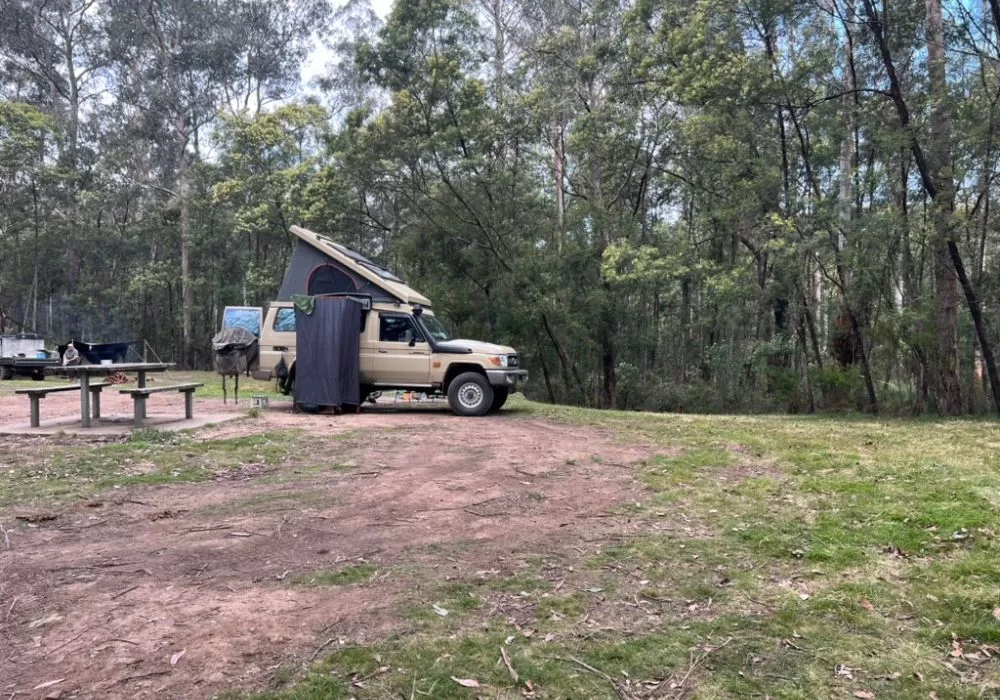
(85,372)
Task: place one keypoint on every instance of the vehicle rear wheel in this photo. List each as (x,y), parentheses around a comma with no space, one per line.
(38,375)
(6,372)
(499,399)
(470,394)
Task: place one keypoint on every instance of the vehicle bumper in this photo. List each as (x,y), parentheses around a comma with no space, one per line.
(510,378)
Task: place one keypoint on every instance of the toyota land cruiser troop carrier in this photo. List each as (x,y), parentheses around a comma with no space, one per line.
(402,345)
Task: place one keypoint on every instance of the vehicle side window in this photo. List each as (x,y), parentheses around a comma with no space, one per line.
(392,329)
(284,320)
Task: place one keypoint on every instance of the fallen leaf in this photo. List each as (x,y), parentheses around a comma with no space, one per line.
(48,684)
(439,610)
(996,613)
(527,633)
(177,657)
(864,695)
(466,682)
(549,637)
(866,604)
(932,695)
(919,675)
(956,650)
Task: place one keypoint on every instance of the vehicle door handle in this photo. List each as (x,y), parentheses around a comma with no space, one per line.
(383,352)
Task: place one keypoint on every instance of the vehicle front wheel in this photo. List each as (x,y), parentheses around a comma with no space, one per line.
(499,399)
(470,394)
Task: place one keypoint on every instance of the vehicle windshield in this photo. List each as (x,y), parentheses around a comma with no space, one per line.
(436,329)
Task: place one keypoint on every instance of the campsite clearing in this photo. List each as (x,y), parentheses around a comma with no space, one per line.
(543,552)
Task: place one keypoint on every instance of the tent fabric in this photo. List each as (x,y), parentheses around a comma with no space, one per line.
(309,267)
(304,303)
(236,351)
(328,353)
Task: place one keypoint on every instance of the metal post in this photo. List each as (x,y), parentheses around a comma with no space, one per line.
(189,404)
(35,422)
(141,382)
(84,399)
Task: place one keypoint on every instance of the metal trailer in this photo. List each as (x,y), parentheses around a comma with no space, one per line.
(24,355)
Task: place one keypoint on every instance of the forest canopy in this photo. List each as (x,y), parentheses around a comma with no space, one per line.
(696,205)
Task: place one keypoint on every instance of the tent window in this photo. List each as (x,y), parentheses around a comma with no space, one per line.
(284,321)
(327,279)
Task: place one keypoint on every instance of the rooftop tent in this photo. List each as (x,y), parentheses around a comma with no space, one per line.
(320,266)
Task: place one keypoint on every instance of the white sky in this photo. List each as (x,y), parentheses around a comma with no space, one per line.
(315,63)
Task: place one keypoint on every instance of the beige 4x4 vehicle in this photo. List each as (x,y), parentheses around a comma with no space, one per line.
(403,345)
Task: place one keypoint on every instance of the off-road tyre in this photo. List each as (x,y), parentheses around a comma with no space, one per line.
(470,394)
(38,375)
(500,397)
(6,372)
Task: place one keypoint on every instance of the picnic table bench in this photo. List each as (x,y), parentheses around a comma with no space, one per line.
(36,395)
(140,395)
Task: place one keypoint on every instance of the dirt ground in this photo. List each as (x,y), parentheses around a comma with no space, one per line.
(104,597)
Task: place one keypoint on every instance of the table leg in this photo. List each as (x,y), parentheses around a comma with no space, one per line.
(141,382)
(35,418)
(96,412)
(84,399)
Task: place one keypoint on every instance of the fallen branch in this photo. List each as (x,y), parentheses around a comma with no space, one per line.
(485,515)
(621,692)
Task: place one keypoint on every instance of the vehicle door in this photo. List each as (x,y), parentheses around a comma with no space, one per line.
(278,337)
(402,355)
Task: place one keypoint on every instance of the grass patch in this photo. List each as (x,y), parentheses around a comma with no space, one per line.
(148,457)
(344,576)
(798,557)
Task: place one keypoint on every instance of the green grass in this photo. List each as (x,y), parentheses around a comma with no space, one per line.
(147,457)
(774,549)
(344,576)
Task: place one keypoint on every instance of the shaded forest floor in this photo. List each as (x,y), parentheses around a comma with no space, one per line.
(545,552)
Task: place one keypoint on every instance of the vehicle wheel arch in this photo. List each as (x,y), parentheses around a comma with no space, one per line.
(457,368)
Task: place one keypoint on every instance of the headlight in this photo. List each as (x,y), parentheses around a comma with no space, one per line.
(498,360)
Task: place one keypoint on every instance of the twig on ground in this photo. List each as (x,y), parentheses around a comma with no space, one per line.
(506,662)
(320,648)
(622,692)
(116,639)
(121,593)
(485,515)
(6,537)
(10,609)
(206,529)
(126,679)
(695,662)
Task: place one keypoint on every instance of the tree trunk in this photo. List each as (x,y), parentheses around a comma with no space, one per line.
(187,294)
(948,385)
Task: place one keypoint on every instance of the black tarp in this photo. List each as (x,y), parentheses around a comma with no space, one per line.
(236,351)
(328,353)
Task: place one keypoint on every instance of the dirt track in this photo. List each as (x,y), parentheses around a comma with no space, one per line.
(105,595)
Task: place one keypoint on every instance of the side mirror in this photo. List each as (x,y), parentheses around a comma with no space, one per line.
(409,339)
